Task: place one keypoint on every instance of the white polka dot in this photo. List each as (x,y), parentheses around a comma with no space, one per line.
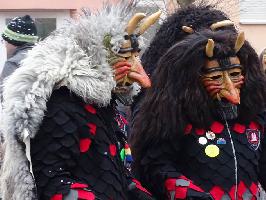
(202,140)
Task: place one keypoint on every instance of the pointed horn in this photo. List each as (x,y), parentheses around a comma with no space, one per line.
(149,21)
(187,29)
(221,24)
(209,48)
(133,22)
(239,41)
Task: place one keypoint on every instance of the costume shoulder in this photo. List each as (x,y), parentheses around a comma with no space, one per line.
(64,100)
(68,114)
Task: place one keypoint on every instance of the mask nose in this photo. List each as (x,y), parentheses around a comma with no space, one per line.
(229,91)
(137,73)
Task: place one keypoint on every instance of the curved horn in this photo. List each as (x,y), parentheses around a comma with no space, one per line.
(149,21)
(209,48)
(221,24)
(133,22)
(239,41)
(187,29)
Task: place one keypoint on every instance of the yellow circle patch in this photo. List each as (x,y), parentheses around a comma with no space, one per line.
(212,150)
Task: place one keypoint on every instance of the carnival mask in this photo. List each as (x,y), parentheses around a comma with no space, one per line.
(223,78)
(129,50)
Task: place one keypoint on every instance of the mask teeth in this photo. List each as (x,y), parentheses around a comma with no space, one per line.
(218,97)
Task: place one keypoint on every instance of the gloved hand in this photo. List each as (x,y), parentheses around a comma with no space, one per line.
(183,188)
(137,192)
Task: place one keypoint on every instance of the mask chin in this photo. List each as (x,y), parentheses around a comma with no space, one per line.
(122,94)
(226,110)
(126,94)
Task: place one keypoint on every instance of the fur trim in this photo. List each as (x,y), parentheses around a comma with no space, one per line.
(73,56)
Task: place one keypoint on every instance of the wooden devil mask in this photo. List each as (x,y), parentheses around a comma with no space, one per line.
(129,50)
(223,77)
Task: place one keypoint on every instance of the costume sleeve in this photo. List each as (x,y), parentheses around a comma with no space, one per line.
(137,191)
(55,151)
(157,165)
(161,173)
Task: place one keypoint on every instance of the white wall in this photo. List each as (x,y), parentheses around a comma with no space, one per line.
(2,55)
(60,15)
(253,12)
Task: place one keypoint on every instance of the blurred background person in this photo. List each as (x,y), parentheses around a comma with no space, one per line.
(263,59)
(19,36)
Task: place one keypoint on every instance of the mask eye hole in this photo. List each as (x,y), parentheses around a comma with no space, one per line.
(235,74)
(217,77)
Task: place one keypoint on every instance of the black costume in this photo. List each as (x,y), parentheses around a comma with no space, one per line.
(172,159)
(78,147)
(192,138)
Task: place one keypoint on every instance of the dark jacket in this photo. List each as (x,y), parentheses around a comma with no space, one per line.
(78,148)
(13,63)
(191,156)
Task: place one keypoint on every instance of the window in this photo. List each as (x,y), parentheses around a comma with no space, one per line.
(45,26)
(253,11)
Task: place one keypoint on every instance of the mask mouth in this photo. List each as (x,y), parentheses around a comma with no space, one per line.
(226,110)
(122,89)
(224,101)
(126,94)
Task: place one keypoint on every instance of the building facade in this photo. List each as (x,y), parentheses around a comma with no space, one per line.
(249,15)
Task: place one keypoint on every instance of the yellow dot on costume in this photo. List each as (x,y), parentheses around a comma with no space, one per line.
(212,150)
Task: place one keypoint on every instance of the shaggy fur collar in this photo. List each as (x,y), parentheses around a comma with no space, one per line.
(73,57)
